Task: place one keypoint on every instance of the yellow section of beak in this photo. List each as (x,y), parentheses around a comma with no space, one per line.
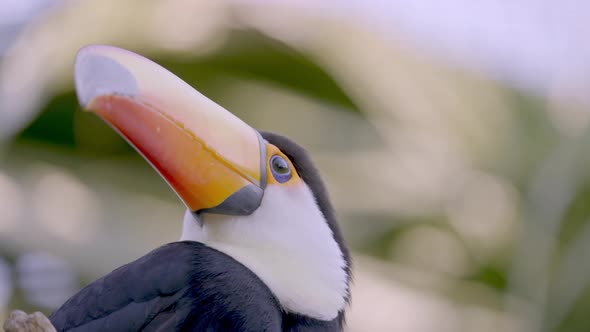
(212,159)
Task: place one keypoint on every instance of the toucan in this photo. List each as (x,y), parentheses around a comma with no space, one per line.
(260,248)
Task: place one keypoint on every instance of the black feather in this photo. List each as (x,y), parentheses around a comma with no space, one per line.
(182,286)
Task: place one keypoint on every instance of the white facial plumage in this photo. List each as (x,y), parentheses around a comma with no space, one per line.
(288,244)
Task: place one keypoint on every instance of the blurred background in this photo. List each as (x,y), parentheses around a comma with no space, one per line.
(453,137)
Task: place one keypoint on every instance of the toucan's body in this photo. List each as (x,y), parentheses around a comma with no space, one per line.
(181,286)
(260,248)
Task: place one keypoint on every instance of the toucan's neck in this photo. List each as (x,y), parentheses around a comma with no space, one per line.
(288,244)
(192,228)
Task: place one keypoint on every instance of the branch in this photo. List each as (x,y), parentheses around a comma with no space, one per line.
(19,321)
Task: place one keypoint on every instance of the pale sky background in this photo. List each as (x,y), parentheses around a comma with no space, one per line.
(540,45)
(531,44)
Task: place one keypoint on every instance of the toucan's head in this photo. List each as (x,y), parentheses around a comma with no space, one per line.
(254,196)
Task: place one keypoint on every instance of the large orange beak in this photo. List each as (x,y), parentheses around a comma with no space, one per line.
(213,160)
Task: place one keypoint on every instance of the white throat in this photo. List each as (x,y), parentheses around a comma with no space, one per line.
(288,244)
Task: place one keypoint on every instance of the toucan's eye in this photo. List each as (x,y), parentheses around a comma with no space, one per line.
(280,168)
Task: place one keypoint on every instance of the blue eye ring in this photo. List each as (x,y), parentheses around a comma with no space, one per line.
(280,169)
